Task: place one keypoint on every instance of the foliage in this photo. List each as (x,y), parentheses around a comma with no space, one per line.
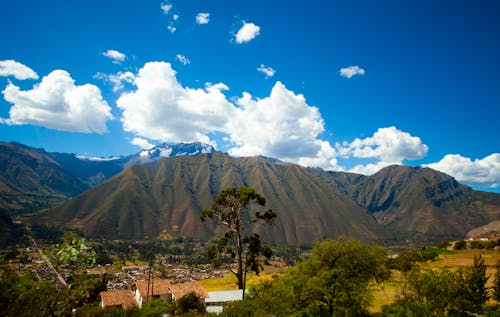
(332,282)
(156,307)
(189,303)
(231,210)
(25,295)
(442,291)
(74,252)
(408,259)
(496,283)
(407,309)
(86,289)
(460,245)
(475,292)
(438,290)
(48,234)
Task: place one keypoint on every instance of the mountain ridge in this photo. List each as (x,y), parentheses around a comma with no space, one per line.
(163,195)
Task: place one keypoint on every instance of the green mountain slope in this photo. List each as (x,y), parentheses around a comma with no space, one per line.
(418,203)
(31,180)
(165,199)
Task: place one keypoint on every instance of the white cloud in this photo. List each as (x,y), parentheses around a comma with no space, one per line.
(19,71)
(183,59)
(349,72)
(247,32)
(117,80)
(268,71)
(176,17)
(114,55)
(202,18)
(57,103)
(165,7)
(371,168)
(161,109)
(142,143)
(480,172)
(282,125)
(171,28)
(389,145)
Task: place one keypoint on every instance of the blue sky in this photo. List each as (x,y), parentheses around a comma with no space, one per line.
(343,85)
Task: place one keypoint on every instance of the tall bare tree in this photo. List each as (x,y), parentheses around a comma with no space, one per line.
(231,210)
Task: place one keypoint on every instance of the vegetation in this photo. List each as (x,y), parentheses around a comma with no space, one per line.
(332,282)
(231,210)
(336,279)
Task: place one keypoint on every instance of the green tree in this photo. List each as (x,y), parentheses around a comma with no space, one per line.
(74,252)
(189,303)
(437,290)
(334,280)
(231,210)
(25,295)
(475,292)
(496,283)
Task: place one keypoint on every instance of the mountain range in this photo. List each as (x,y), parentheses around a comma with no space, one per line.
(156,194)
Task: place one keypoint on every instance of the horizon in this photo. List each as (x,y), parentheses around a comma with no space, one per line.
(345,86)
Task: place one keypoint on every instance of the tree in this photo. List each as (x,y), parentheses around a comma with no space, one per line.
(333,281)
(496,283)
(74,252)
(475,293)
(231,210)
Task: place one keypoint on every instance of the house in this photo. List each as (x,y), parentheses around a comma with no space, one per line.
(158,288)
(216,300)
(182,289)
(123,299)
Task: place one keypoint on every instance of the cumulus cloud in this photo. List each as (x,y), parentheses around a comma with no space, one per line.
(202,18)
(388,145)
(480,172)
(268,71)
(281,125)
(349,72)
(160,108)
(57,103)
(115,56)
(17,70)
(142,143)
(247,32)
(183,59)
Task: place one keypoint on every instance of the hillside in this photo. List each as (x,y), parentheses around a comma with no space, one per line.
(418,203)
(165,199)
(31,180)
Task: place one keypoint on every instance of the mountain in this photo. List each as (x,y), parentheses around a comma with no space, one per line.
(418,203)
(10,233)
(160,193)
(165,199)
(31,180)
(95,170)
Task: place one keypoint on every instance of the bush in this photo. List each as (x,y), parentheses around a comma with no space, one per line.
(460,245)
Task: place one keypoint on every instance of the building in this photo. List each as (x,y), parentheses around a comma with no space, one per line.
(155,288)
(158,288)
(182,289)
(217,300)
(123,299)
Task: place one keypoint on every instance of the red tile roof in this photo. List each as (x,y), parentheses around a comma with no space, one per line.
(123,298)
(183,289)
(160,287)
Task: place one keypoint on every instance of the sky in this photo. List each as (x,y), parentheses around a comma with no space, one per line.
(343,85)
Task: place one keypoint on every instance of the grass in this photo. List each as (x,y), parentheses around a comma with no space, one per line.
(229,281)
